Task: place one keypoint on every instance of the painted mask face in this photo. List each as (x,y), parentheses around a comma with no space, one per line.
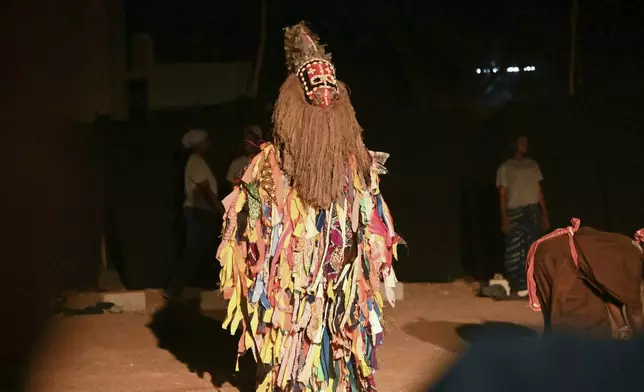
(318,78)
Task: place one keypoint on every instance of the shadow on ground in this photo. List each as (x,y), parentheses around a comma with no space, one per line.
(473,333)
(454,337)
(439,333)
(199,341)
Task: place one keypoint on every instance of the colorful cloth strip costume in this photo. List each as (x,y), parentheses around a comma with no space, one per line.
(308,239)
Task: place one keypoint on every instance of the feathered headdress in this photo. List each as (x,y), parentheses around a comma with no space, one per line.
(302,45)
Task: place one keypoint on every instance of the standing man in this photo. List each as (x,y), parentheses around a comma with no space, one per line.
(202,210)
(252,137)
(523,216)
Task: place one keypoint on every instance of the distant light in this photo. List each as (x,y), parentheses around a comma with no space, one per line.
(513,69)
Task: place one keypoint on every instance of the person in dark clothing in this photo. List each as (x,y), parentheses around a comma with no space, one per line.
(202,210)
(252,137)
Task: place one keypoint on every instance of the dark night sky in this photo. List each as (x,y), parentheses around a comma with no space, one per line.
(451,37)
(228,30)
(197,30)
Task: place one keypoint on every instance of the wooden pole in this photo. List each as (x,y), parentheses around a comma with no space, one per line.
(260,50)
(573,47)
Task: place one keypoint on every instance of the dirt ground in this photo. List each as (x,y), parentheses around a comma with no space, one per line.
(177,350)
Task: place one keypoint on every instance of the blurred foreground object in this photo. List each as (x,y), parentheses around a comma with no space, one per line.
(559,363)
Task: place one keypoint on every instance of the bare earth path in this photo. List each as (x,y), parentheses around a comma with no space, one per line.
(121,353)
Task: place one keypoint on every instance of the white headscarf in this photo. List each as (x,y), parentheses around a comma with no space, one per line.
(193,137)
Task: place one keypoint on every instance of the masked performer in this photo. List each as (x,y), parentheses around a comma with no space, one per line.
(308,238)
(587,281)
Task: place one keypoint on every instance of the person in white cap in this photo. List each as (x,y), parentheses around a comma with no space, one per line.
(202,209)
(252,138)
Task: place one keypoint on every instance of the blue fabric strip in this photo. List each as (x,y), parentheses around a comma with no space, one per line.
(264,301)
(277,231)
(379,206)
(320,220)
(257,290)
(377,308)
(352,376)
(326,346)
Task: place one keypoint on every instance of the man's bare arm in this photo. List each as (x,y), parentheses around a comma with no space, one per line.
(211,198)
(503,201)
(542,202)
(503,207)
(545,220)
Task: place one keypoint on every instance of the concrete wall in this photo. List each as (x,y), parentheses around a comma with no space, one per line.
(104,43)
(76,60)
(52,195)
(189,84)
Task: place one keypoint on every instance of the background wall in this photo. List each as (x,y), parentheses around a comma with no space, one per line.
(182,85)
(441,186)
